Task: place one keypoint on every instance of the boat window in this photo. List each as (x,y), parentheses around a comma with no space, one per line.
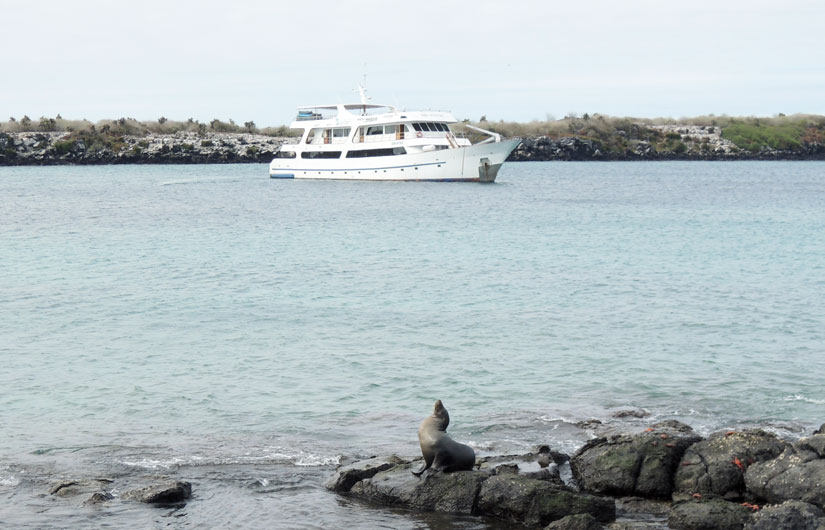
(416,126)
(434,127)
(284,154)
(389,151)
(315,135)
(441,127)
(425,127)
(390,129)
(375,129)
(341,132)
(321,154)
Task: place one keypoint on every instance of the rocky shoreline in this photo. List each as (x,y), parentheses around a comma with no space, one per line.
(664,477)
(63,148)
(56,148)
(686,142)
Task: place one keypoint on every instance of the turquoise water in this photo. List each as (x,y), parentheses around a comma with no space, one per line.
(248,334)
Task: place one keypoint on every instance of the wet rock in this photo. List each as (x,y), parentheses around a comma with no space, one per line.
(507,494)
(72,488)
(506,469)
(347,476)
(717,465)
(455,493)
(708,514)
(639,525)
(639,464)
(98,498)
(582,521)
(639,505)
(631,413)
(535,502)
(637,513)
(814,443)
(821,429)
(541,465)
(545,452)
(168,493)
(797,474)
(790,515)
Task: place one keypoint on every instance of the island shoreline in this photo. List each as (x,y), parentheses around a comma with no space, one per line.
(65,148)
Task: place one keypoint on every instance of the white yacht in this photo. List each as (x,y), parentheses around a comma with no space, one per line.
(364,141)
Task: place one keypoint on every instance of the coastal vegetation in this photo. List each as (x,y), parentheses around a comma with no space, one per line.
(779,132)
(57,140)
(618,134)
(133,127)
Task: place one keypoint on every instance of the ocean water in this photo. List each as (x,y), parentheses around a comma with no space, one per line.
(209,324)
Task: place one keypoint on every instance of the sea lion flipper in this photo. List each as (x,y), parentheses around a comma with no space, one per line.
(428,461)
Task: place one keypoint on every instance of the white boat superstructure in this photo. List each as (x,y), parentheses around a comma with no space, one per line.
(364,141)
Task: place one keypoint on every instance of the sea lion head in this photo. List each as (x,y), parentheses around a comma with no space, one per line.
(441,415)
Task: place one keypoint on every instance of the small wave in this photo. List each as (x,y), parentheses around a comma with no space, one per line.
(300,458)
(555,419)
(273,456)
(316,460)
(196,181)
(9,482)
(798,397)
(482,446)
(150,463)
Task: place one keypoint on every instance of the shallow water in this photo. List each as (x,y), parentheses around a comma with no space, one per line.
(247,334)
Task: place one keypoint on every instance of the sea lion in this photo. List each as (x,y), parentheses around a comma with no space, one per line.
(441,452)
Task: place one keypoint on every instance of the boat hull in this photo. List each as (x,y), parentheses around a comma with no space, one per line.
(475,163)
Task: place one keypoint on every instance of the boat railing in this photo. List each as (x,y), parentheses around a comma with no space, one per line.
(405,136)
(325,140)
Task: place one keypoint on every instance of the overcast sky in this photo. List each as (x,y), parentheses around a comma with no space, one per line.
(512,60)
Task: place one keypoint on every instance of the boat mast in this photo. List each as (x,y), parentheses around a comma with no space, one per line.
(362,89)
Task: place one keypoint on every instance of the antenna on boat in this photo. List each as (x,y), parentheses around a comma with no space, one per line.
(362,89)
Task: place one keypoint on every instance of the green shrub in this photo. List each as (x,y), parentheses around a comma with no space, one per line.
(63,147)
(47,125)
(221,126)
(757,135)
(281,131)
